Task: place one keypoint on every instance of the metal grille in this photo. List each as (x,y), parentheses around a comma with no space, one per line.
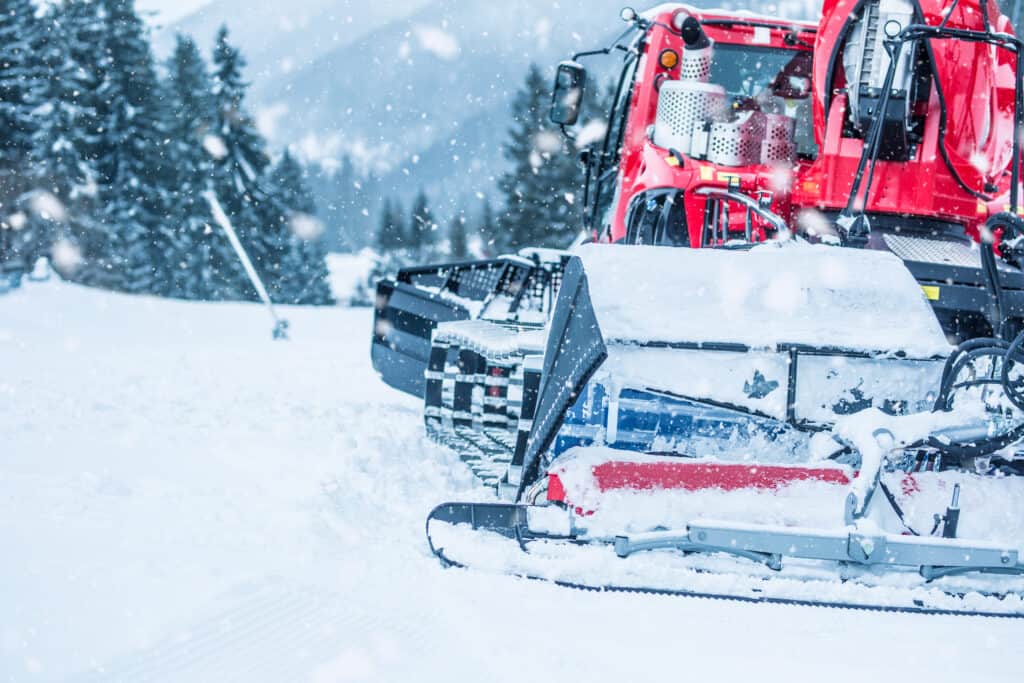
(923,250)
(475,283)
(541,289)
(681,106)
(738,143)
(697,65)
(778,145)
(779,128)
(777,152)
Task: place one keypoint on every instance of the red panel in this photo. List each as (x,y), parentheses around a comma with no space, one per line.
(556,491)
(695,476)
(973,131)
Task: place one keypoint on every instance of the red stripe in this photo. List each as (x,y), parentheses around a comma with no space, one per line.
(695,476)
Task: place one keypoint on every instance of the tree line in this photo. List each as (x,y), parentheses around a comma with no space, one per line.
(110,165)
(540,194)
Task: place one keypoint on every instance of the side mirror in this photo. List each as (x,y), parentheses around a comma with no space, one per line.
(568,93)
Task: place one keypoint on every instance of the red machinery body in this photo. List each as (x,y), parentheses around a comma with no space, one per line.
(940,173)
(960,168)
(941,168)
(643,166)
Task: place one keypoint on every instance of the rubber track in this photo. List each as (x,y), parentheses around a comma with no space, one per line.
(448,562)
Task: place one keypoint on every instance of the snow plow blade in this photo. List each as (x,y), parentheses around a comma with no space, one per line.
(763,450)
(638,355)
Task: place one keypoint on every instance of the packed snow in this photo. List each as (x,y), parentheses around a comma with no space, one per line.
(775,293)
(184,499)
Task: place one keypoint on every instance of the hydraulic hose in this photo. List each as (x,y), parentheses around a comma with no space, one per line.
(1001,357)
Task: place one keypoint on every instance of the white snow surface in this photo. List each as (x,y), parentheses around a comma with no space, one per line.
(183,499)
(792,293)
(347,272)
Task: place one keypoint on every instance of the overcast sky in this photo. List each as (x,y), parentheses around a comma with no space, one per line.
(169,10)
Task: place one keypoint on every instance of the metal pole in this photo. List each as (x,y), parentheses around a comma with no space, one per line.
(221,218)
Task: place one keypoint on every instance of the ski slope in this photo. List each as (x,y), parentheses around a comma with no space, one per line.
(183,499)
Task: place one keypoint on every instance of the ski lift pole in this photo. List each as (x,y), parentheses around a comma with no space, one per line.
(221,218)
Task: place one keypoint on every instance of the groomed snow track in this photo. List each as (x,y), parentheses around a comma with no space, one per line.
(255,484)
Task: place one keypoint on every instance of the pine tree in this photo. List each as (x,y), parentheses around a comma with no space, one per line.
(539,190)
(420,236)
(19,85)
(488,226)
(21,79)
(198,249)
(66,141)
(390,237)
(303,275)
(457,239)
(135,177)
(239,164)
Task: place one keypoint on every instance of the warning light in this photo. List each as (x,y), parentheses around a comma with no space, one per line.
(668,59)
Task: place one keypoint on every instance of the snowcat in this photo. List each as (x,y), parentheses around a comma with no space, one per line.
(753,394)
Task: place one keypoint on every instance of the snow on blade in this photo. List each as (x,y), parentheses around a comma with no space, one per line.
(772,294)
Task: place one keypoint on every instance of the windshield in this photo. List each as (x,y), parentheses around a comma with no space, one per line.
(777,80)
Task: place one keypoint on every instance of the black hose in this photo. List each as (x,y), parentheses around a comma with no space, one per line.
(1001,355)
(968,352)
(989,269)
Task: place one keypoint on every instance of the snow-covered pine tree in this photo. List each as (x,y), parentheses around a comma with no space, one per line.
(539,190)
(457,238)
(199,248)
(21,79)
(64,143)
(135,173)
(391,245)
(421,233)
(290,185)
(303,277)
(390,233)
(239,165)
(488,226)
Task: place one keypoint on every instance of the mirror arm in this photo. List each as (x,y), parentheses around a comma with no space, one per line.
(569,135)
(606,50)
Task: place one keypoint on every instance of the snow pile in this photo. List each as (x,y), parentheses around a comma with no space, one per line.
(349,272)
(992,507)
(801,503)
(772,294)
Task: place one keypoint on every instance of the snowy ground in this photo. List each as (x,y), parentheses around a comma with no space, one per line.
(183,499)
(348,272)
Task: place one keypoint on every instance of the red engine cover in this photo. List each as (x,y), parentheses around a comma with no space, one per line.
(960,165)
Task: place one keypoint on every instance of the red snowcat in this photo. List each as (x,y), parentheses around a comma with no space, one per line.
(753,394)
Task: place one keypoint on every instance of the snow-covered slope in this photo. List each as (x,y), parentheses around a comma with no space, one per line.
(182,499)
